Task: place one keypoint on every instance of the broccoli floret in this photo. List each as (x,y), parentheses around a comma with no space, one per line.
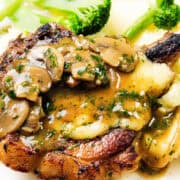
(81,16)
(93,18)
(165,15)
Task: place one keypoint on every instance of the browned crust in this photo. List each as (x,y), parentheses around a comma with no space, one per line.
(68,167)
(164,50)
(91,160)
(73,168)
(128,159)
(115,141)
(57,164)
(18,48)
(16,155)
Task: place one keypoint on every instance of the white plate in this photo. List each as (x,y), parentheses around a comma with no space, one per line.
(123,13)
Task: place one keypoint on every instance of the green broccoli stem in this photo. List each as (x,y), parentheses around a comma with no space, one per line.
(143,22)
(146,19)
(10,9)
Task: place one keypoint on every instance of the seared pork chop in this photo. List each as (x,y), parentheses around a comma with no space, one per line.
(71,107)
(52,57)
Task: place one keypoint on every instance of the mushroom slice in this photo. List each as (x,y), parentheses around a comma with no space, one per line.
(28,83)
(116,52)
(36,56)
(32,124)
(83,66)
(40,77)
(54,62)
(82,71)
(12,115)
(48,57)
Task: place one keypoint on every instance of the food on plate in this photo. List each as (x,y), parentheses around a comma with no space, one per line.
(162,51)
(165,14)
(159,145)
(83,108)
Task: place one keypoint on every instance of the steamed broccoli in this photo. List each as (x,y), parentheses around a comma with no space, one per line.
(80,16)
(165,15)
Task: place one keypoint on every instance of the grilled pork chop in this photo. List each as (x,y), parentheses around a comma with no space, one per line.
(72,104)
(53,57)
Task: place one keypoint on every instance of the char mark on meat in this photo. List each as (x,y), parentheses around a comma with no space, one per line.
(168,46)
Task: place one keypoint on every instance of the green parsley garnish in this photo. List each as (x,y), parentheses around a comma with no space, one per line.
(51,56)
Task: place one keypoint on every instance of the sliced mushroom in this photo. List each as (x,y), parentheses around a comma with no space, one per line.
(36,56)
(40,77)
(32,124)
(82,65)
(111,56)
(82,71)
(54,62)
(28,83)
(13,115)
(116,52)
(48,57)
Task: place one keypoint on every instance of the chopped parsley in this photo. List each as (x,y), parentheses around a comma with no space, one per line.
(2,105)
(124,94)
(81,71)
(51,133)
(78,57)
(128,58)
(73,146)
(88,69)
(101,71)
(96,58)
(101,107)
(171,152)
(12,94)
(153,101)
(66,132)
(93,100)
(19,68)
(51,56)
(33,89)
(149,141)
(110,106)
(92,40)
(8,81)
(25,83)
(49,107)
(162,123)
(67,65)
